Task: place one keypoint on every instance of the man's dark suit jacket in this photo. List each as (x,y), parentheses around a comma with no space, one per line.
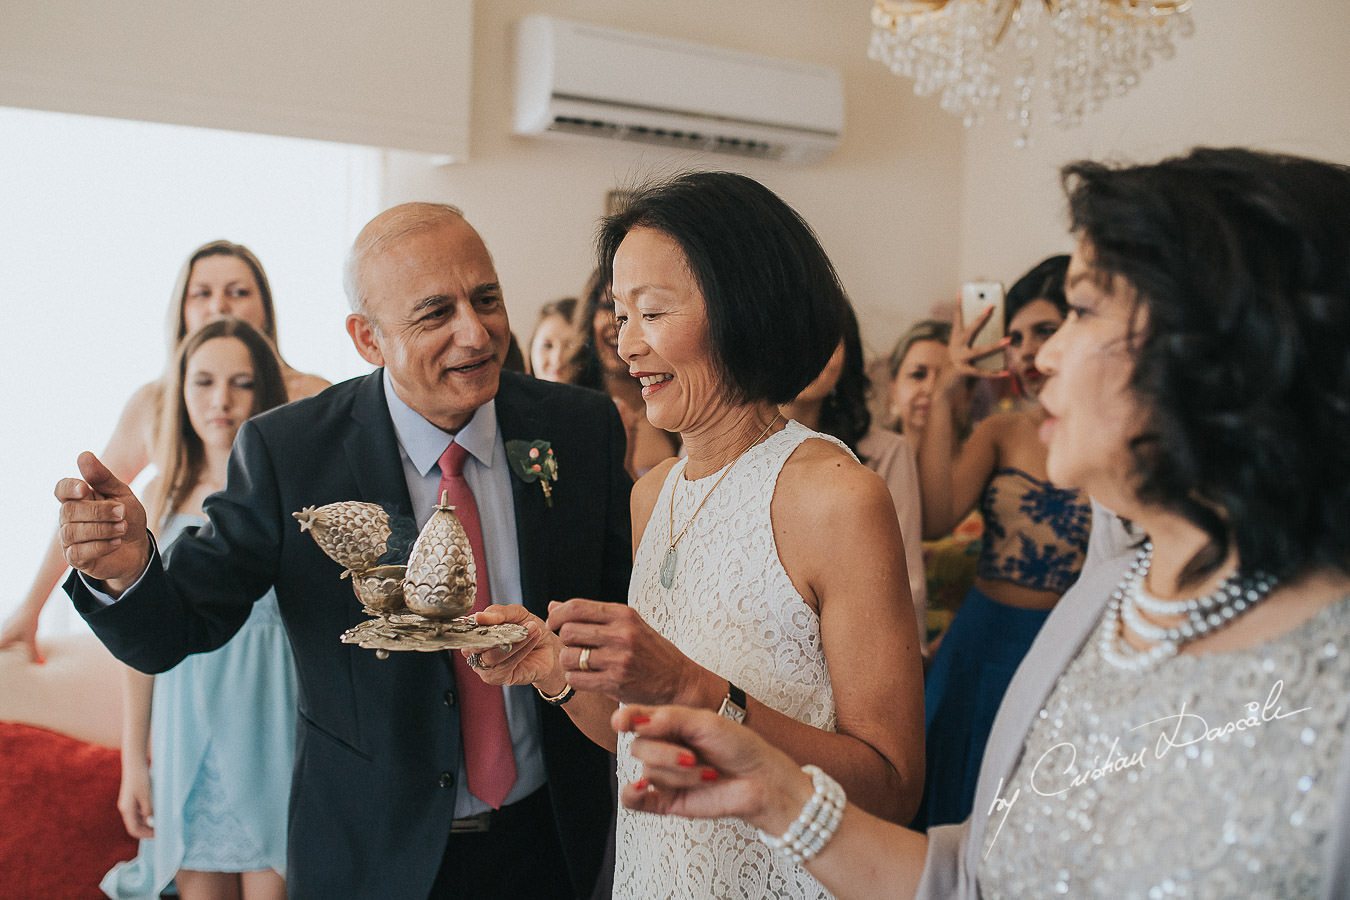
(369,810)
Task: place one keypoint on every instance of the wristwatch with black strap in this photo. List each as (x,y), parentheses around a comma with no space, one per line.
(733,704)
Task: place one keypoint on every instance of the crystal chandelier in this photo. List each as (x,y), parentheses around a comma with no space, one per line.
(952,47)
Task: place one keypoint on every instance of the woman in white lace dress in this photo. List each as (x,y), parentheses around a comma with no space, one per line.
(769,580)
(1179,728)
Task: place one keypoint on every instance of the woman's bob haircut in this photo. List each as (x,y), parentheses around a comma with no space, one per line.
(774,303)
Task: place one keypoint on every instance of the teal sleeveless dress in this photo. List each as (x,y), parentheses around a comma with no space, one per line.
(222,744)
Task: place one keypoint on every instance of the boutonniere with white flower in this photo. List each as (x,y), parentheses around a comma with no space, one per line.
(534,461)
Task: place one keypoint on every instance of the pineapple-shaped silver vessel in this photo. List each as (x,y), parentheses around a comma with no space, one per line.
(354,534)
(441,581)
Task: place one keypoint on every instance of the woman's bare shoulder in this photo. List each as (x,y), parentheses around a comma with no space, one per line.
(302,384)
(1001,431)
(831,514)
(144,401)
(1001,423)
(131,444)
(649,485)
(820,474)
(819,452)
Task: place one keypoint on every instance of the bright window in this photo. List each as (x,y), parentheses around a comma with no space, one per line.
(96,217)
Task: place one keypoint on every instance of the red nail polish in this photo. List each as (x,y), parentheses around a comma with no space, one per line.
(686,759)
(641,784)
(641,720)
(709,775)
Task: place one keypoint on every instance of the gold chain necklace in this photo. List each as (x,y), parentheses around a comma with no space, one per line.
(668,562)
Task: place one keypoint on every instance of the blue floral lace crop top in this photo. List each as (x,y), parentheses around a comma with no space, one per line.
(1035,534)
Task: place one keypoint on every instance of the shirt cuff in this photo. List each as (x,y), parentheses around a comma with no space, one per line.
(105,599)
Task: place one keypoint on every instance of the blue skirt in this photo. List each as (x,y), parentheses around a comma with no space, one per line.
(965,685)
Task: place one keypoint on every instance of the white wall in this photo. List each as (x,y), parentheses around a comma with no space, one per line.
(388,74)
(884,203)
(909,206)
(96,217)
(1255,73)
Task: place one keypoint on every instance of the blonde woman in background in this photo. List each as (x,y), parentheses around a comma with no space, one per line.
(552,344)
(914,364)
(219,278)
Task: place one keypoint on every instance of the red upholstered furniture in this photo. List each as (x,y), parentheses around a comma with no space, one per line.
(58,804)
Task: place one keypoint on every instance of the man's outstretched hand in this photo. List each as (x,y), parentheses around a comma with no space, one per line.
(103,530)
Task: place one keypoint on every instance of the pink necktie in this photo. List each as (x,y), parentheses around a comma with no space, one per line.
(488,756)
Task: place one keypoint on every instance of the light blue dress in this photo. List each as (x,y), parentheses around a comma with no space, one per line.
(222,739)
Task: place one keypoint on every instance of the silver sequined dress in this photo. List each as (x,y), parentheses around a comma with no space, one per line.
(1210,776)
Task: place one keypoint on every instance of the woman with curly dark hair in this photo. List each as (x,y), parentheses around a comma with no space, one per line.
(836,404)
(1179,728)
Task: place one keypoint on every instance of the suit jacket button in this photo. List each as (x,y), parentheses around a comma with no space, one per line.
(446,780)
(449,698)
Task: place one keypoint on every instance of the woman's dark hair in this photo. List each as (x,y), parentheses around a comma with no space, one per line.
(1240,261)
(774,303)
(585,364)
(1044,282)
(844,412)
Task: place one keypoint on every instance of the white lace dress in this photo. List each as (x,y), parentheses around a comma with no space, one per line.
(733,610)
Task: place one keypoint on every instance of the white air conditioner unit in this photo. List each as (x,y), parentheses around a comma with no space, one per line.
(578,79)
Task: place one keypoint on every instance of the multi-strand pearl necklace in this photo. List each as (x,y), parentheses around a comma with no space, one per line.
(1234,595)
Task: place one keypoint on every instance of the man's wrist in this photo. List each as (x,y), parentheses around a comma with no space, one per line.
(552,686)
(111,590)
(555,682)
(116,587)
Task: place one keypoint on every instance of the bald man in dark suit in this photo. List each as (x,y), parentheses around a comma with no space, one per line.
(380,806)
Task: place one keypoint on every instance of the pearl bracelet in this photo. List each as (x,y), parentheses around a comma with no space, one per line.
(817,822)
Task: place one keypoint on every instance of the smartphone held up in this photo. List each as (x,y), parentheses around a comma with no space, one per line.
(976,298)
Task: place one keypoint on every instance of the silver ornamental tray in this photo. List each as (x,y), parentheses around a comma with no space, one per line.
(413,632)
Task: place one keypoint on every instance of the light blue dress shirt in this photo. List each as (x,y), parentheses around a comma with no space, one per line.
(489,476)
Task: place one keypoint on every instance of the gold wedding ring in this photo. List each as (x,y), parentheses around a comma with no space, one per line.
(584,664)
